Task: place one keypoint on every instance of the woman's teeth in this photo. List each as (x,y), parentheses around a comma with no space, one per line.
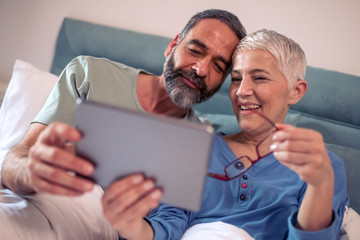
(250,107)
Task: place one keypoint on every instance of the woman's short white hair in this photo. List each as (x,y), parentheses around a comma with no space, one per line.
(290,57)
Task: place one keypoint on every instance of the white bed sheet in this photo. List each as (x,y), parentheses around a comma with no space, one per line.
(45,216)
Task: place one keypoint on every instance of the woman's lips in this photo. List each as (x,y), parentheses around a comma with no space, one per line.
(249,107)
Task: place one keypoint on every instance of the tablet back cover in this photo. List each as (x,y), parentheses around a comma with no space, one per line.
(172,151)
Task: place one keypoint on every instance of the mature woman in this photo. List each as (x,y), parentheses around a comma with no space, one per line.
(271,179)
(299,190)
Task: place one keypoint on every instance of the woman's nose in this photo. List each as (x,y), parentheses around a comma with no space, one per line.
(245,88)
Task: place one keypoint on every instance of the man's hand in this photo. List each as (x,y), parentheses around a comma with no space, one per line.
(53,165)
(127,201)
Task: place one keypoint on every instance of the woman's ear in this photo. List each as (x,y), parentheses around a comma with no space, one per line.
(297,91)
(171,45)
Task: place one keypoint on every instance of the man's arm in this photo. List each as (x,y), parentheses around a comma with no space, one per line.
(45,161)
(15,174)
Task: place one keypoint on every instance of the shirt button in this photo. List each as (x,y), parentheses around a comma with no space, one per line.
(244,185)
(245,177)
(242,197)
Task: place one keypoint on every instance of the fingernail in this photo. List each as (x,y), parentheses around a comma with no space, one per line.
(148,185)
(156,194)
(273,146)
(137,179)
(71,173)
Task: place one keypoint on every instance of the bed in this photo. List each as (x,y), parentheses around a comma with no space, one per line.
(330,106)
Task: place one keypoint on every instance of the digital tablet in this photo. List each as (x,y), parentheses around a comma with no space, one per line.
(175,152)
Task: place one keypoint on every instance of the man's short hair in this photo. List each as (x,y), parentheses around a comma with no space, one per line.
(224,16)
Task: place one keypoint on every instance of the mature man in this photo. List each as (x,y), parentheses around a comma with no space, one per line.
(197,62)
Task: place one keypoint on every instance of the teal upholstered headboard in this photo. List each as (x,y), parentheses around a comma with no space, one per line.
(330,106)
(135,49)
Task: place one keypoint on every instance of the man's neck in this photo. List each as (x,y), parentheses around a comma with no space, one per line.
(154,97)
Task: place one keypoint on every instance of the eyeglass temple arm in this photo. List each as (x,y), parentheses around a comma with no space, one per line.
(218,176)
(266,118)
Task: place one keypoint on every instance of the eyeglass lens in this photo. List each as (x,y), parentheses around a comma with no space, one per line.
(242,164)
(239,166)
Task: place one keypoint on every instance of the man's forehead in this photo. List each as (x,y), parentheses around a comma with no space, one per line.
(213,33)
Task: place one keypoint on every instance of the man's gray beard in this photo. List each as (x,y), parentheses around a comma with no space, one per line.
(180,93)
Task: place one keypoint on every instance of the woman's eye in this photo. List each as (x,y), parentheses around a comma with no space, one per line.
(259,78)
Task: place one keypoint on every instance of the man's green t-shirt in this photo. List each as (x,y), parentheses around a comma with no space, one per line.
(101,80)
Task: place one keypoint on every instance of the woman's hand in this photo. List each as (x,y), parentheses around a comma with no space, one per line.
(127,201)
(303,151)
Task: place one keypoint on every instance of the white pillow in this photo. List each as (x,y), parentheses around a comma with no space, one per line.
(65,217)
(27,91)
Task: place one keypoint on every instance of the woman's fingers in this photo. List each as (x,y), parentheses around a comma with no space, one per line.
(128,200)
(303,151)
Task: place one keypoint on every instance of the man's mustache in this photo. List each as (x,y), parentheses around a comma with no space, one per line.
(200,81)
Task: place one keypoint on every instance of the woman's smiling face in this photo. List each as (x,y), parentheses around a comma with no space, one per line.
(257,84)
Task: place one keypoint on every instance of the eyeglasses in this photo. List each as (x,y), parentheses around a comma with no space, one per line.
(244,163)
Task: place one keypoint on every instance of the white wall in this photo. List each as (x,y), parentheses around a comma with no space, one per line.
(328,30)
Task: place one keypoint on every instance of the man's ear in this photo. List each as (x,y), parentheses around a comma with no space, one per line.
(298,91)
(171,45)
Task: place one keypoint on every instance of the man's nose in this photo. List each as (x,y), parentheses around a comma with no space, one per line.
(201,68)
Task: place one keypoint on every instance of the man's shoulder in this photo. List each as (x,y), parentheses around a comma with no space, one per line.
(86,61)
